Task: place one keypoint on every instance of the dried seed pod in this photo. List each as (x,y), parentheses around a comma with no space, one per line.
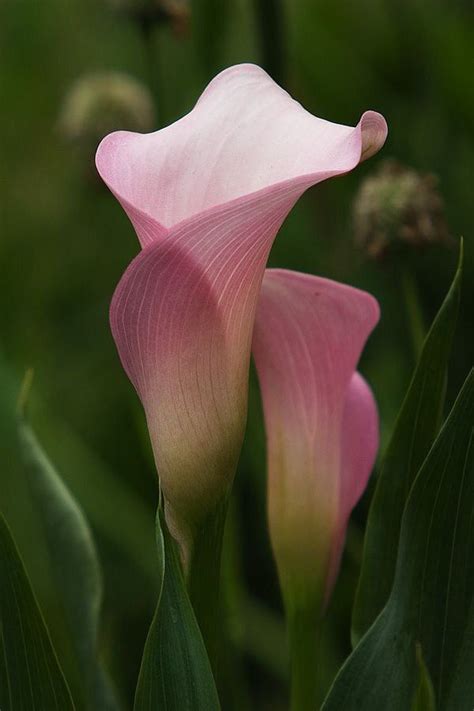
(100,103)
(397,206)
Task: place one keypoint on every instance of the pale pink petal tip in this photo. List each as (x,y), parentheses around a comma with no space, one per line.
(374,132)
(245,136)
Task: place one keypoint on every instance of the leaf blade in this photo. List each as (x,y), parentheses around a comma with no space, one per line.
(436,522)
(415,430)
(70,553)
(424,699)
(32,679)
(175,674)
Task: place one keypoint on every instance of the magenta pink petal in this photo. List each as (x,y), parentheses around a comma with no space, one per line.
(320,419)
(182,318)
(360,440)
(245,135)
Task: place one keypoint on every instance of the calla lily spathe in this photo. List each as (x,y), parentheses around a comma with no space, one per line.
(321,422)
(207,196)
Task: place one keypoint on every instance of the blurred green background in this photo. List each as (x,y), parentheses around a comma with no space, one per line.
(64,243)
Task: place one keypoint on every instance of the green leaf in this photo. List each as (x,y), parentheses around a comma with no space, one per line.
(175,674)
(92,483)
(30,676)
(70,554)
(204,578)
(462,688)
(101,494)
(424,699)
(432,596)
(415,430)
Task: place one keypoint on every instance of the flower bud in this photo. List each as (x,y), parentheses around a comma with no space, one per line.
(321,423)
(395,207)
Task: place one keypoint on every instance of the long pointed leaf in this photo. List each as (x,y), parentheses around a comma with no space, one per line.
(30,676)
(432,596)
(70,553)
(415,430)
(175,674)
(92,483)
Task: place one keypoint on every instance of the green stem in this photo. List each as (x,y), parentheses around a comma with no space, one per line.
(147,34)
(270,22)
(234,691)
(210,23)
(413,308)
(304,628)
(204,579)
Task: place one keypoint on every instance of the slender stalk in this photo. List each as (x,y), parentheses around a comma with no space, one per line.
(233,687)
(270,23)
(204,579)
(413,308)
(210,24)
(304,630)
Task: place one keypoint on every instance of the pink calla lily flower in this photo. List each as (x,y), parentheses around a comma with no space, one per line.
(207,196)
(321,422)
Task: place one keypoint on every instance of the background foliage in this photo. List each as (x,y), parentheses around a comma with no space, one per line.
(64,242)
